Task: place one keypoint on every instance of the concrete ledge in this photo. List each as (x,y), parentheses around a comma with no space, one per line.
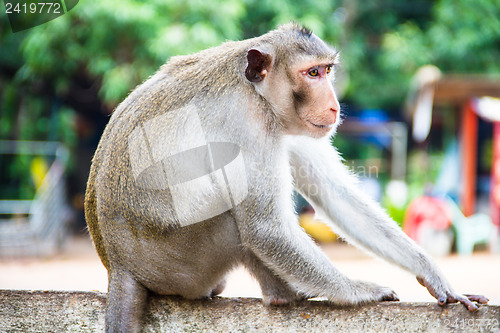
(38,311)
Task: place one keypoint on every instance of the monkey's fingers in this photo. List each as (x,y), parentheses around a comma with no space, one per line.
(477,298)
(468,300)
(468,303)
(444,298)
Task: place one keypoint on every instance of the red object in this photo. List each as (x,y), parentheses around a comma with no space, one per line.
(495,176)
(428,210)
(469,158)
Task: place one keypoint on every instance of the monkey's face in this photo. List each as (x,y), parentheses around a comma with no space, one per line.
(301,93)
(314,100)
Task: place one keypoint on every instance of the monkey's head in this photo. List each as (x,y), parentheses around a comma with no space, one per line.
(293,70)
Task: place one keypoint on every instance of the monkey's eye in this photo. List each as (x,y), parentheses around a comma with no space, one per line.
(313,72)
(328,69)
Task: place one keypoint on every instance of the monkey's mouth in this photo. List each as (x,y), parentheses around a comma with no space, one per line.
(321,126)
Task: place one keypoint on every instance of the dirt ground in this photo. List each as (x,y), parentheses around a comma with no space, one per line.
(79,268)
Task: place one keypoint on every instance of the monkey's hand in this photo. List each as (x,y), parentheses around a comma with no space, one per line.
(447,296)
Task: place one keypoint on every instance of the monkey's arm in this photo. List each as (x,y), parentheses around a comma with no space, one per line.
(322,178)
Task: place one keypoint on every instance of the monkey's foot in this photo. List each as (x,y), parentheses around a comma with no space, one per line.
(219,288)
(277,301)
(371,292)
(281,300)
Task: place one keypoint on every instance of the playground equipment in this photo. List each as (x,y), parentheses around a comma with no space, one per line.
(470,97)
(475,229)
(36,227)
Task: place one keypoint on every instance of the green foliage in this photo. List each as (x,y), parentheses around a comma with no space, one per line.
(123,42)
(117,44)
(461,37)
(382,42)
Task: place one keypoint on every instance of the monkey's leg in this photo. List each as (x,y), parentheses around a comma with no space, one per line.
(275,291)
(280,243)
(126,303)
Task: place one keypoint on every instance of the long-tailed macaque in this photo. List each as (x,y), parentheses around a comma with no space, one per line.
(194,175)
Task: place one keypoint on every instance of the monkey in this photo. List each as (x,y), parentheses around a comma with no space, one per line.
(194,175)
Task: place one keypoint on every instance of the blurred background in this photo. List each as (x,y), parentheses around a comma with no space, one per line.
(419,83)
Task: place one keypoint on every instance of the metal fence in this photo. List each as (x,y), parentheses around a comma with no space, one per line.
(36,227)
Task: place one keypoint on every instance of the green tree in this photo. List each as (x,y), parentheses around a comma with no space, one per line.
(105,48)
(461,37)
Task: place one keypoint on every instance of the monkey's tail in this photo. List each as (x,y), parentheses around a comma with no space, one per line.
(90,205)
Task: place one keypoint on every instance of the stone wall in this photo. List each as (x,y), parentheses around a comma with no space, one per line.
(38,311)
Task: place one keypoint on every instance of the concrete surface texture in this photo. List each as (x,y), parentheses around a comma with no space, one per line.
(79,268)
(25,311)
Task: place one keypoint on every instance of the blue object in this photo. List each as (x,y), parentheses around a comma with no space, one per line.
(374,117)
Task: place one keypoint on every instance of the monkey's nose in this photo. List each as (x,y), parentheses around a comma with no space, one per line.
(334,105)
(335,114)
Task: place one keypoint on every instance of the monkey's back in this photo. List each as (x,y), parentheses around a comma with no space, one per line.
(111,188)
(102,184)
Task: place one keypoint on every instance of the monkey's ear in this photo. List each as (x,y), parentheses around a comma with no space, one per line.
(258,65)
